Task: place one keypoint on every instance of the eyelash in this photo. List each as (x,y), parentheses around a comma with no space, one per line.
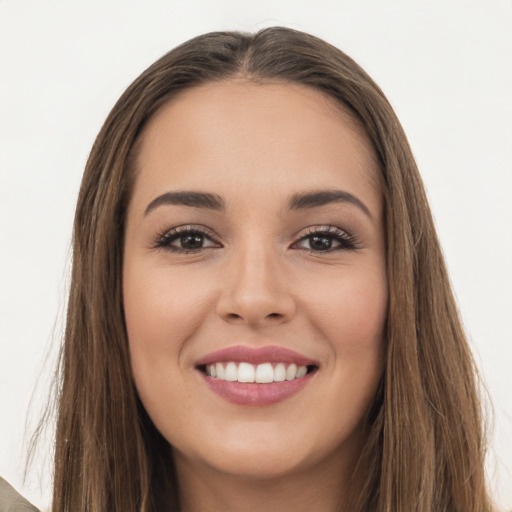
(345,240)
(165,239)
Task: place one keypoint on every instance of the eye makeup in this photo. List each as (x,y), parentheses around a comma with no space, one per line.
(194,238)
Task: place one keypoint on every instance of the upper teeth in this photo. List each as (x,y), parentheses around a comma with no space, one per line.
(260,373)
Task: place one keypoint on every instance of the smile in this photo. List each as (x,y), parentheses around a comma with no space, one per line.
(256,377)
(264,373)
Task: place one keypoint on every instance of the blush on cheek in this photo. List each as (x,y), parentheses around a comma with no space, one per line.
(356,316)
(369,309)
(155,315)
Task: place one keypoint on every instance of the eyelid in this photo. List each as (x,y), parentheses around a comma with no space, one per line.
(163,238)
(323,229)
(347,240)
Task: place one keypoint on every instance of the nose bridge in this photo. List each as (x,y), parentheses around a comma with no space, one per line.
(255,289)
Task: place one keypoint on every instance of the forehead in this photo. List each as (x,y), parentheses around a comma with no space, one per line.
(238,131)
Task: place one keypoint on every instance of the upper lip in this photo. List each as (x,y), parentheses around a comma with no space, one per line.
(266,354)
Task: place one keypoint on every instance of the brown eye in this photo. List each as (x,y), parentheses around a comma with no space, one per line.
(325,240)
(189,241)
(185,240)
(320,243)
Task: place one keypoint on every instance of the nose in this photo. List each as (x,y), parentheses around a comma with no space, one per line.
(255,290)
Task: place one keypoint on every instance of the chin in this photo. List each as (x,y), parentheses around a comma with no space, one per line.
(253,463)
(264,453)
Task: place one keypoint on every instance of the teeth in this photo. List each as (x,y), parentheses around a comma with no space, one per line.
(291,372)
(245,372)
(219,370)
(264,373)
(301,371)
(261,373)
(279,373)
(231,372)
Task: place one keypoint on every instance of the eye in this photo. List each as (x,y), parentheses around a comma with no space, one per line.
(185,239)
(326,239)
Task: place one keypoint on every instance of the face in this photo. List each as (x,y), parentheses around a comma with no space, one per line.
(254,279)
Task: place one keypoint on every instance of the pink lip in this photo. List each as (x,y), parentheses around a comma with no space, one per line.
(267,354)
(253,394)
(256,395)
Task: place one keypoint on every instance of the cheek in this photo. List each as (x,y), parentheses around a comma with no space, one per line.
(163,310)
(352,319)
(363,316)
(351,311)
(161,307)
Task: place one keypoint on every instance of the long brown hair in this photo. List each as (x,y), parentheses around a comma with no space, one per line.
(425,449)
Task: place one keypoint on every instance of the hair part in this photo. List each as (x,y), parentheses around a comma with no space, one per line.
(425,448)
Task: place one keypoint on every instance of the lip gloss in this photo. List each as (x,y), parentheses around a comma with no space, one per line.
(254,393)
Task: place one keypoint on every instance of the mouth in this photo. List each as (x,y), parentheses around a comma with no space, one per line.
(256,377)
(263,373)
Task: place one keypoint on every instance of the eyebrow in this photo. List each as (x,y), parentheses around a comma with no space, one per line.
(324,197)
(298,201)
(187,198)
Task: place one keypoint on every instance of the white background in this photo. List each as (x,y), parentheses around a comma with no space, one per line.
(445,65)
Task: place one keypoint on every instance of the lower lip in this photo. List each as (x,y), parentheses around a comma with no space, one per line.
(257,395)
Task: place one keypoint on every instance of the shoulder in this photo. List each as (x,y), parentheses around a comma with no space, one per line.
(12,501)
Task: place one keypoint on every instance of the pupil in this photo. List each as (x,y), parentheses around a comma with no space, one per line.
(193,241)
(321,243)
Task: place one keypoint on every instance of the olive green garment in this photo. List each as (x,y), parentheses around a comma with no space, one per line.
(12,501)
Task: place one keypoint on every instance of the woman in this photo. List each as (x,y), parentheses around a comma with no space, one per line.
(259,312)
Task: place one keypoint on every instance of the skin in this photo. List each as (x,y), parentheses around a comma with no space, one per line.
(257,282)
